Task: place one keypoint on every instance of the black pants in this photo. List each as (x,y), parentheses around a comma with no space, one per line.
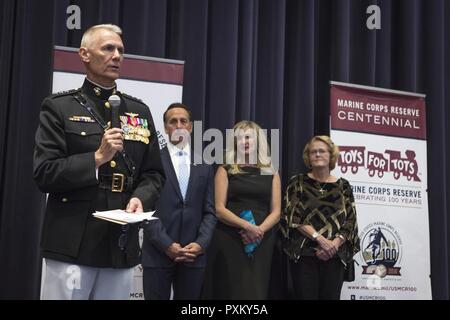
(187,283)
(314,279)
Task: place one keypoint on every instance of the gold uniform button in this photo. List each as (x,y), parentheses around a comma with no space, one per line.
(64,199)
(83,133)
(107,104)
(113,164)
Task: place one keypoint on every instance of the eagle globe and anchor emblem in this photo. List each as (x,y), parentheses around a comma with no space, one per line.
(381,250)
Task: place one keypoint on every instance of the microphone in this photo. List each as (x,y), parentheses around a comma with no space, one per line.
(114,102)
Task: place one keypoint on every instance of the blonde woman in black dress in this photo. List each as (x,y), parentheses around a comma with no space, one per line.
(247,182)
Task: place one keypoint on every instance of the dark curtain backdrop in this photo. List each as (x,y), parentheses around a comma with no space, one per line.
(265,60)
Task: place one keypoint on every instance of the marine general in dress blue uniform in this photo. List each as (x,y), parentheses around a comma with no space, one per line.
(85,166)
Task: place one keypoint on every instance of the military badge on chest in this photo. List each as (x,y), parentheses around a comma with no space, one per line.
(82,119)
(134,128)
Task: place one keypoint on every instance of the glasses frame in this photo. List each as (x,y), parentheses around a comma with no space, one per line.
(318,152)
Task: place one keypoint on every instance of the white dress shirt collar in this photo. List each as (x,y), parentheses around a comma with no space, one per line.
(173,150)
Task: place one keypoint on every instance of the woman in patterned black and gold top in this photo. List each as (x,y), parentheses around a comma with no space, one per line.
(319,223)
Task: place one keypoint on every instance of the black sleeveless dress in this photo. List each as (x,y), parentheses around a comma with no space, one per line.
(230,273)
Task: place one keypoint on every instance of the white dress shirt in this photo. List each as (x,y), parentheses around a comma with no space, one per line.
(173,152)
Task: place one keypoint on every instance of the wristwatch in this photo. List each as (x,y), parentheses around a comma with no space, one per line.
(315,235)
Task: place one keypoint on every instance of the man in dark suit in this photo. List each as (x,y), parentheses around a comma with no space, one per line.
(173,250)
(86,166)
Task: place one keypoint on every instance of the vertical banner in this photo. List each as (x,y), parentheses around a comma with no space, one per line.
(381,135)
(157,82)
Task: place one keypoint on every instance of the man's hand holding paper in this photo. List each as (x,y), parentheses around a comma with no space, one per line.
(123,217)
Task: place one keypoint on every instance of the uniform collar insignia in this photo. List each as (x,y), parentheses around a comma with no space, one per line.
(95,90)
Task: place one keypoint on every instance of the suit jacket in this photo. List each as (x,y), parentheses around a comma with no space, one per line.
(182,221)
(64,167)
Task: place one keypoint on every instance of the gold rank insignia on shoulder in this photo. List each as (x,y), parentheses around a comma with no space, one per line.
(82,119)
(134,128)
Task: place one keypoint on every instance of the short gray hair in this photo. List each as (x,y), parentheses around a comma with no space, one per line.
(87,36)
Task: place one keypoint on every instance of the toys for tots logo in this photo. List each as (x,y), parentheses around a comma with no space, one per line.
(355,157)
(381,250)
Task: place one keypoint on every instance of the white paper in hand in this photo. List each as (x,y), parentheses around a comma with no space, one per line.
(122,217)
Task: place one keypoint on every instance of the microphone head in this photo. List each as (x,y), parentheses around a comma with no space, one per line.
(114,100)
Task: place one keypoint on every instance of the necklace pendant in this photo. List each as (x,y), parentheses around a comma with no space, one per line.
(321,191)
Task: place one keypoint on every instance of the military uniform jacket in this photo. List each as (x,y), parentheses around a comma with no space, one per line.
(64,167)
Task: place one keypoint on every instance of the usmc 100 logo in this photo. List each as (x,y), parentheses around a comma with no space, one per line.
(354,157)
(381,250)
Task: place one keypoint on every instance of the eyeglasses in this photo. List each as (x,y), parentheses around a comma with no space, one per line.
(123,239)
(317,151)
